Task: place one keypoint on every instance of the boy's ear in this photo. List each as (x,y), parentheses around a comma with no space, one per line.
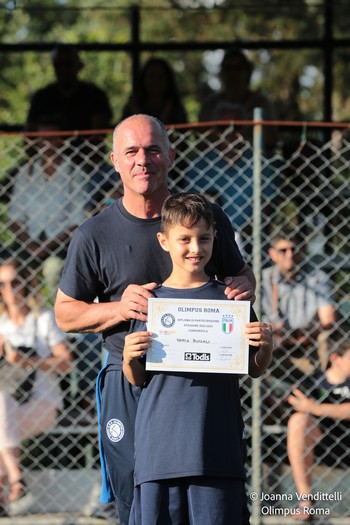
(163,241)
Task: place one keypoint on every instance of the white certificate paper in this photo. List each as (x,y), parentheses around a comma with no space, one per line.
(198,336)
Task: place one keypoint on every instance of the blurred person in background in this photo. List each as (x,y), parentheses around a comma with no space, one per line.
(235,75)
(157,94)
(29,339)
(47,203)
(297,300)
(319,428)
(225,168)
(82,105)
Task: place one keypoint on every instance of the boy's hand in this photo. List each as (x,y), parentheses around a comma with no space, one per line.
(260,334)
(300,402)
(136,345)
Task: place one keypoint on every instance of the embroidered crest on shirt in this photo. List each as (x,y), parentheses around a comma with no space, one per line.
(115,430)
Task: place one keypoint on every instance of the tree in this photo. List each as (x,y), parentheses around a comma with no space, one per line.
(284,74)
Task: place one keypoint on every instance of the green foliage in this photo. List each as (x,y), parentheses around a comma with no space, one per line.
(293,78)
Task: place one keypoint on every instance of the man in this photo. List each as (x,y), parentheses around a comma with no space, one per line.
(47,204)
(297,300)
(81,105)
(236,71)
(107,255)
(229,165)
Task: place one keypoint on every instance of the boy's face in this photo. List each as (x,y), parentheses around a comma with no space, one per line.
(342,362)
(190,248)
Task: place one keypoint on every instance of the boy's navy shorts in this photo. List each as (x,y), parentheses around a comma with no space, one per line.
(189,501)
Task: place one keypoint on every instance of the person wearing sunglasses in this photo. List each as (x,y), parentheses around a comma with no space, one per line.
(29,339)
(297,300)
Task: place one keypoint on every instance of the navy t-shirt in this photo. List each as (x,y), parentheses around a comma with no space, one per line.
(318,388)
(114,249)
(189,424)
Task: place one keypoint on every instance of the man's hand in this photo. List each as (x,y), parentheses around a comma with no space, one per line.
(239,288)
(134,301)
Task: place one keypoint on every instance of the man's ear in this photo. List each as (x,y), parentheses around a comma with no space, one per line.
(163,241)
(272,254)
(114,160)
(172,154)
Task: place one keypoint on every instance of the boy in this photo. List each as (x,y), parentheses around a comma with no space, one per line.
(189,434)
(321,422)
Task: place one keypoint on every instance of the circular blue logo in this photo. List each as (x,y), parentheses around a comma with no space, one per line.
(167,320)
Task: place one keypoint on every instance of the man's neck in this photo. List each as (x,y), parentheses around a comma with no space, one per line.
(288,277)
(145,206)
(68,89)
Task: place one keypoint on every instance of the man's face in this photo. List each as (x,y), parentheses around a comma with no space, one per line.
(141,156)
(67,66)
(286,255)
(235,73)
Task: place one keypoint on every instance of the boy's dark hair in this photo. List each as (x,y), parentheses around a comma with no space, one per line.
(338,340)
(186,209)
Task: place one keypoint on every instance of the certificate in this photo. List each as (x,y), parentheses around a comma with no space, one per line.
(198,336)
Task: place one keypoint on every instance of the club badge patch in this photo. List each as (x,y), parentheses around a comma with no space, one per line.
(115,430)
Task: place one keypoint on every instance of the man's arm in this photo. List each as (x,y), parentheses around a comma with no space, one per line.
(73,315)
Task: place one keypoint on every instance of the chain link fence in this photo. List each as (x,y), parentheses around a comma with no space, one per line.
(304,183)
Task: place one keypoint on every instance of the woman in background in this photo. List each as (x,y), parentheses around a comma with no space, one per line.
(157,94)
(25,324)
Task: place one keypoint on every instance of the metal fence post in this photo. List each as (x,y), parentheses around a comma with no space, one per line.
(256,394)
